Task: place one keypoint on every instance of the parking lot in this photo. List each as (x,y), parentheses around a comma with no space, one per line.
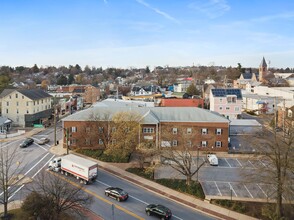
(226,181)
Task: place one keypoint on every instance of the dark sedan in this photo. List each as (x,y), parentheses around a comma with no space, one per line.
(116,193)
(27,142)
(160,211)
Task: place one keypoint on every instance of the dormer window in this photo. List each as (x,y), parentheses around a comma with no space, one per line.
(290,114)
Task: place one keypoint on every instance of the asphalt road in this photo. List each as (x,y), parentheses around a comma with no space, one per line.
(34,159)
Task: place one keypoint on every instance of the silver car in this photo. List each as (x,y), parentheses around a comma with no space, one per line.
(43,140)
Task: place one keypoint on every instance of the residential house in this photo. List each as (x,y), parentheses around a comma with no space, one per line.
(289,77)
(246,79)
(145,90)
(26,107)
(227,102)
(159,126)
(259,104)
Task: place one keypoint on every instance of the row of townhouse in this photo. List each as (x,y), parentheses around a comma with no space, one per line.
(158,126)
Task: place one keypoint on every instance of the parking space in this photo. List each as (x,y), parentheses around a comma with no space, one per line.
(238,190)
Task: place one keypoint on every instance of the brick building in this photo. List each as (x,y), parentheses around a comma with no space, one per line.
(160,127)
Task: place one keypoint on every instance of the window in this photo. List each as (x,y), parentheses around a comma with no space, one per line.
(218,131)
(231,99)
(100,130)
(88,141)
(175,130)
(27,103)
(189,143)
(22,97)
(16,103)
(74,129)
(220,100)
(88,129)
(72,141)
(204,143)
(220,108)
(218,144)
(148,130)
(17,111)
(237,109)
(204,131)
(227,108)
(7,103)
(100,142)
(34,103)
(16,95)
(7,111)
(10,96)
(189,130)
(27,111)
(290,113)
(175,143)
(42,101)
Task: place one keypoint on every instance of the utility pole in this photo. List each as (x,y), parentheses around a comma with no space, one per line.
(54,103)
(67,136)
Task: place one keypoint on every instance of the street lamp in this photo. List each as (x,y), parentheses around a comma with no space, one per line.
(197,161)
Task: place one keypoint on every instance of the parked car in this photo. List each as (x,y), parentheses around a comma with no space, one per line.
(43,140)
(116,193)
(160,211)
(27,142)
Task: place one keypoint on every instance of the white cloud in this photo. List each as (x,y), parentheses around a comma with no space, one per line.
(211,8)
(158,11)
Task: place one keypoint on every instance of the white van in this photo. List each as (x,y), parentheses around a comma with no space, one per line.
(212,159)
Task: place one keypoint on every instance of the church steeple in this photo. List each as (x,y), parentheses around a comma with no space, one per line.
(262,70)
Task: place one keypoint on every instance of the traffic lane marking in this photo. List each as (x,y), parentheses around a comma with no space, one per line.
(99,197)
(134,198)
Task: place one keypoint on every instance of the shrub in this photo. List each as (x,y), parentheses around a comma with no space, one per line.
(91,153)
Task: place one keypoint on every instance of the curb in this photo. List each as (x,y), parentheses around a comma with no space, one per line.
(207,208)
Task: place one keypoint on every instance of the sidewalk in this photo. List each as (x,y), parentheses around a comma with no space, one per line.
(187,200)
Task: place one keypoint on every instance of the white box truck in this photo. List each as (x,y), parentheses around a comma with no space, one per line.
(83,169)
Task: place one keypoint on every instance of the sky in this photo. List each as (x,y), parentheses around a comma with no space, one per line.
(140,33)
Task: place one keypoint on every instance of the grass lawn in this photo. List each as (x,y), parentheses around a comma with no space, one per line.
(254,209)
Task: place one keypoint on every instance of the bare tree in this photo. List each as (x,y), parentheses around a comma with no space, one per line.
(276,151)
(57,195)
(181,159)
(9,174)
(178,153)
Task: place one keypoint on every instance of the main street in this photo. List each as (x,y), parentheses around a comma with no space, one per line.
(34,159)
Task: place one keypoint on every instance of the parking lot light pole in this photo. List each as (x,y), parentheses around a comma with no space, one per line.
(197,161)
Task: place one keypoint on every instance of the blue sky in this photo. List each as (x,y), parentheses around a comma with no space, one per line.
(137,33)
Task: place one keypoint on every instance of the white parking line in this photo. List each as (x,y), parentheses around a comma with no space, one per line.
(248,191)
(16,191)
(262,190)
(218,189)
(262,163)
(227,162)
(251,163)
(239,162)
(231,188)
